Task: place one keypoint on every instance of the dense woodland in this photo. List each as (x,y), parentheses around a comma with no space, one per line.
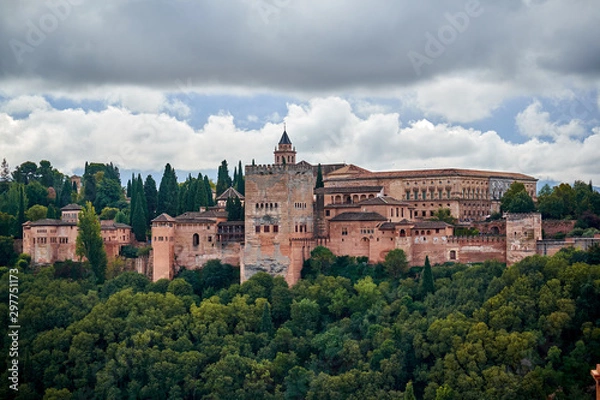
(347,330)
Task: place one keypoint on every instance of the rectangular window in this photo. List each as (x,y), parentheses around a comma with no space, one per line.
(267,229)
(257,229)
(327,213)
(275,228)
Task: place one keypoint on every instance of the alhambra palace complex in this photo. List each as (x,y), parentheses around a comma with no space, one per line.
(357,213)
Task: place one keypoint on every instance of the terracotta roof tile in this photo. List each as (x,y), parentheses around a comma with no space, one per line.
(358,216)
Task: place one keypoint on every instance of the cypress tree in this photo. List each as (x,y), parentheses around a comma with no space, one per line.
(266,322)
(132,198)
(223,178)
(241,184)
(89,187)
(209,194)
(319,183)
(21,213)
(235,178)
(201,197)
(138,219)
(230,210)
(427,285)
(168,192)
(128,193)
(151,195)
(65,193)
(142,198)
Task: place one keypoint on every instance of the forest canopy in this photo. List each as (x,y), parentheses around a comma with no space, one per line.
(347,330)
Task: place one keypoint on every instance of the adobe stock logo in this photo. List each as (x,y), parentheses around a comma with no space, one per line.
(446,35)
(37,31)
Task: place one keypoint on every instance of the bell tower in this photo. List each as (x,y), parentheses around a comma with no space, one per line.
(284,152)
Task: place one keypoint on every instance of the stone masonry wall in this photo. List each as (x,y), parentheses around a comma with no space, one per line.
(279,208)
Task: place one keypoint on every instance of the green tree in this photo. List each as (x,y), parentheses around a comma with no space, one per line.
(5,171)
(36,193)
(7,224)
(108,192)
(321,259)
(46,173)
(209,192)
(517,200)
(21,213)
(89,184)
(151,194)
(319,183)
(7,251)
(201,197)
(427,285)
(138,219)
(223,178)
(409,393)
(444,215)
(234,208)
(36,212)
(395,263)
(266,322)
(240,183)
(65,193)
(25,172)
(108,213)
(89,241)
(168,193)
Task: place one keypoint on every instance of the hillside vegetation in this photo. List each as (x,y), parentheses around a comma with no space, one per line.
(346,331)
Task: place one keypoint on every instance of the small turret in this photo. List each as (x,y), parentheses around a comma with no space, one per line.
(285,153)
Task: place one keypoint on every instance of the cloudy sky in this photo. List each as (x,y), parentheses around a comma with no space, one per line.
(384,84)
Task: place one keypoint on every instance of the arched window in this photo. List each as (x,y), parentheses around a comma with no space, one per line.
(402,233)
(196,239)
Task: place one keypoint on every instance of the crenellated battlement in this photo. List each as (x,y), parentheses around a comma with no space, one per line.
(475,240)
(265,169)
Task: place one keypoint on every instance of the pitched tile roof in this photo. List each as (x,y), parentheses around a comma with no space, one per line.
(383,200)
(230,192)
(164,218)
(431,225)
(358,216)
(71,206)
(349,189)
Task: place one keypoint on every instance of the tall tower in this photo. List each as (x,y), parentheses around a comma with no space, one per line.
(285,153)
(279,216)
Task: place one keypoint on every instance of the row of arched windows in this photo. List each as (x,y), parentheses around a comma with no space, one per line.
(267,205)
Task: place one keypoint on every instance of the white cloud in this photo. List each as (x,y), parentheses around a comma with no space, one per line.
(460,99)
(24,105)
(137,99)
(177,108)
(533,122)
(323,130)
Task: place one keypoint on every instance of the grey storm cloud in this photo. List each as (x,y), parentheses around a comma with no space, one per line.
(292,44)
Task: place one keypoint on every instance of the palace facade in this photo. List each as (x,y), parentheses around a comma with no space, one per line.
(357,212)
(50,240)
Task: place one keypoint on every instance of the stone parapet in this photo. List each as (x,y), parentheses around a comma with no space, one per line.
(277,169)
